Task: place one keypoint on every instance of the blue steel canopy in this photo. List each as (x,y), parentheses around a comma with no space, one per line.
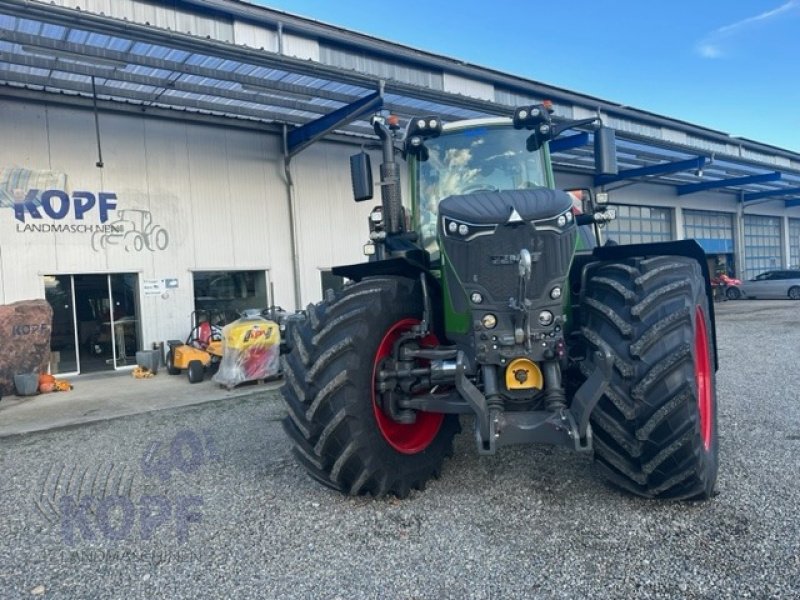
(71,54)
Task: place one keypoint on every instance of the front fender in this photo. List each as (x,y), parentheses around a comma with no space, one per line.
(687,248)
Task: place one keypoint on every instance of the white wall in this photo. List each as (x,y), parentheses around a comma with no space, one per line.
(332,228)
(219,193)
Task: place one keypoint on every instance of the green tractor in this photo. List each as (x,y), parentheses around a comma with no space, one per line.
(491,295)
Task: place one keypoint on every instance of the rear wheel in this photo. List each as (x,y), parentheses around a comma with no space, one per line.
(171,368)
(341,435)
(794,293)
(655,429)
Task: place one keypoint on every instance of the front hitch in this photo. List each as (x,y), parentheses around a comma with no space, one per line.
(562,427)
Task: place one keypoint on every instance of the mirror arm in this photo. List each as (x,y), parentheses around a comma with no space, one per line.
(559,128)
(387,141)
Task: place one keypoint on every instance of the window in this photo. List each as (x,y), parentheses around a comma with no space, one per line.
(712,230)
(640,225)
(794,243)
(762,244)
(484,158)
(225,294)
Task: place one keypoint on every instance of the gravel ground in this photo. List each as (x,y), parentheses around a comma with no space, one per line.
(207,502)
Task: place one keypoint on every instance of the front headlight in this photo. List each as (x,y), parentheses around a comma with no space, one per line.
(459,230)
(559,223)
(489,321)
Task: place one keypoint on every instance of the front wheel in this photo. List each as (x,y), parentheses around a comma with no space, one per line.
(341,434)
(655,428)
(733,293)
(195,371)
(794,293)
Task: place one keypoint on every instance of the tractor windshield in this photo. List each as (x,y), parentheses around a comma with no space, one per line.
(468,160)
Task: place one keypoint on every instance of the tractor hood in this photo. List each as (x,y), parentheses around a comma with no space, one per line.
(496,207)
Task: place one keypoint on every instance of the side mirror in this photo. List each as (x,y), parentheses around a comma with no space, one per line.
(605,151)
(581,200)
(587,203)
(361,176)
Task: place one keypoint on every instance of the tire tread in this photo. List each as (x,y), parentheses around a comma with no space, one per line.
(647,426)
(332,429)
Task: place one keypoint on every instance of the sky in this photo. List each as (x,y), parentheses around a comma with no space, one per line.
(733,66)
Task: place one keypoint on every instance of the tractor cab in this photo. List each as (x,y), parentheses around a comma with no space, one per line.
(472,156)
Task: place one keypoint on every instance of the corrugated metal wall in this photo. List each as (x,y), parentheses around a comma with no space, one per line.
(332,227)
(219,193)
(158,15)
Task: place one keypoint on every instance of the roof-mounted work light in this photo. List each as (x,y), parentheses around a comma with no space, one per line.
(419,129)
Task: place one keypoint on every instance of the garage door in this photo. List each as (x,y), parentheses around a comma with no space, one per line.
(640,225)
(712,230)
(762,244)
(794,243)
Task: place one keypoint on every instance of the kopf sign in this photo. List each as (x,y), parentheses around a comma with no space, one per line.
(57,204)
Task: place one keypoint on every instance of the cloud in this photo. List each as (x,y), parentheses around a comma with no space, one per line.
(707,50)
(713,45)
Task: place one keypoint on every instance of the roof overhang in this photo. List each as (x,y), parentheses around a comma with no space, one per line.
(64,53)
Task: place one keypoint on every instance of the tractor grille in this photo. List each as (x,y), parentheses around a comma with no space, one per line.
(490,261)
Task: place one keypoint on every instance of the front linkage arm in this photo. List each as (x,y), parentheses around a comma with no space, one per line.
(566,427)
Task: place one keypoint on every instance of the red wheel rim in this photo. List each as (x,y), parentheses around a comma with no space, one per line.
(409,438)
(702,375)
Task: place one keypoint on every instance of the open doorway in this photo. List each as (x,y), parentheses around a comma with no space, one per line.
(95,321)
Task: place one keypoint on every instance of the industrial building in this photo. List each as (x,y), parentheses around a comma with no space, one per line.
(167,156)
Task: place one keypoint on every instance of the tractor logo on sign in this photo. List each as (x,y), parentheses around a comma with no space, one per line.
(134,230)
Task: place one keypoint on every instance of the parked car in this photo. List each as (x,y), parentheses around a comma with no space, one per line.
(770,284)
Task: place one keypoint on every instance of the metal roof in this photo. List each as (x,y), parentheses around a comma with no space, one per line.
(57,50)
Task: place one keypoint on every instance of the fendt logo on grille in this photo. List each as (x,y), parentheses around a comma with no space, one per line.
(504,259)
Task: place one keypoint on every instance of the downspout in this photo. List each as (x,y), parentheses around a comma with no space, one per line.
(787,244)
(739,255)
(291,203)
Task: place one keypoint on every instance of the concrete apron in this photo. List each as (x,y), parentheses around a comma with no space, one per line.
(106,396)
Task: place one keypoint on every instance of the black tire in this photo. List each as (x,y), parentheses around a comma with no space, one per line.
(794,292)
(329,393)
(651,436)
(171,368)
(733,293)
(195,371)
